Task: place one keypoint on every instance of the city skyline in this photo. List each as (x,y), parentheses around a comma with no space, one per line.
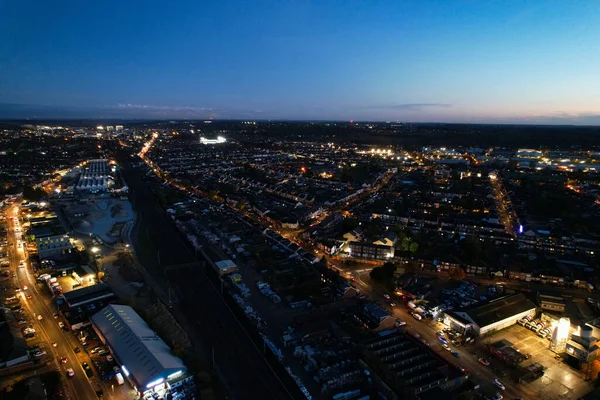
(484,62)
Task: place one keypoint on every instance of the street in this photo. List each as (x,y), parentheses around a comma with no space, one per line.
(79,386)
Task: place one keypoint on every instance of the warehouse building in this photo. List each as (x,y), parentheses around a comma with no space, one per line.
(500,313)
(144,357)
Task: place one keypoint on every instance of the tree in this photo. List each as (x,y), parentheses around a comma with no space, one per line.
(408,245)
(377,274)
(389,269)
(383,274)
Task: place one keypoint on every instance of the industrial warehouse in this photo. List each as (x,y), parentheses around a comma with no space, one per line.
(491,316)
(145,359)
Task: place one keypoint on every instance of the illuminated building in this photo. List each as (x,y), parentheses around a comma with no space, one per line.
(145,359)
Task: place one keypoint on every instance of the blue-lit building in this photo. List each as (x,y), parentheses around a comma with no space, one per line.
(145,359)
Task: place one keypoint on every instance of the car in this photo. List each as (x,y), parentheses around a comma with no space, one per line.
(443,340)
(498,396)
(70,372)
(22,321)
(527,356)
(393,304)
(61,325)
(39,317)
(416,316)
(386,296)
(54,344)
(446,347)
(109,358)
(499,384)
(440,333)
(455,354)
(484,361)
(55,315)
(100,394)
(25,288)
(29,296)
(63,360)
(116,368)
(39,353)
(76,349)
(95,350)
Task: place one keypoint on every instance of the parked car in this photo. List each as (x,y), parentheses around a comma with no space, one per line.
(70,372)
(484,361)
(499,384)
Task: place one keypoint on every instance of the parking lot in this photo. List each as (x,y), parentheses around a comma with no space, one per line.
(559,381)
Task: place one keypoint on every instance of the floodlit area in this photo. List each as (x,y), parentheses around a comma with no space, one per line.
(560,381)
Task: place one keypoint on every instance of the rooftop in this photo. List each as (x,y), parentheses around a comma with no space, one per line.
(135,345)
(497,309)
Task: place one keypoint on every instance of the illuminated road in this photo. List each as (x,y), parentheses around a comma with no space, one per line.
(47,329)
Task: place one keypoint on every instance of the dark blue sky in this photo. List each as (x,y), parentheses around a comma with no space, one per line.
(472,61)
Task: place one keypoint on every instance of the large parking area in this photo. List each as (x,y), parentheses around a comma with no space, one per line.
(559,381)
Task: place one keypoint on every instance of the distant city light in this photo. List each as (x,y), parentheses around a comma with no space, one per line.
(218,140)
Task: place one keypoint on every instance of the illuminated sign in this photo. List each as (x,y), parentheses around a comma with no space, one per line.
(174,374)
(154,383)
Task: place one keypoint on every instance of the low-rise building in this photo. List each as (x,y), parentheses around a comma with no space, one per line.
(477,320)
(145,359)
(370,251)
(13,348)
(551,301)
(407,365)
(53,246)
(582,346)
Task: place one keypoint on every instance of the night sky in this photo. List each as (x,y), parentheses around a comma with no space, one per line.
(418,61)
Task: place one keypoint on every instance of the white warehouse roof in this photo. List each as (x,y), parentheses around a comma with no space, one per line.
(144,354)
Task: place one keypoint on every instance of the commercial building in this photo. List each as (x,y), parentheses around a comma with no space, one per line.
(144,357)
(53,246)
(95,176)
(87,295)
(582,346)
(493,315)
(551,301)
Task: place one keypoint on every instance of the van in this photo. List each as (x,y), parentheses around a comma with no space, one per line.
(120,379)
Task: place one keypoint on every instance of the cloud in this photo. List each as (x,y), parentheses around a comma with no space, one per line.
(562,118)
(128,106)
(410,106)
